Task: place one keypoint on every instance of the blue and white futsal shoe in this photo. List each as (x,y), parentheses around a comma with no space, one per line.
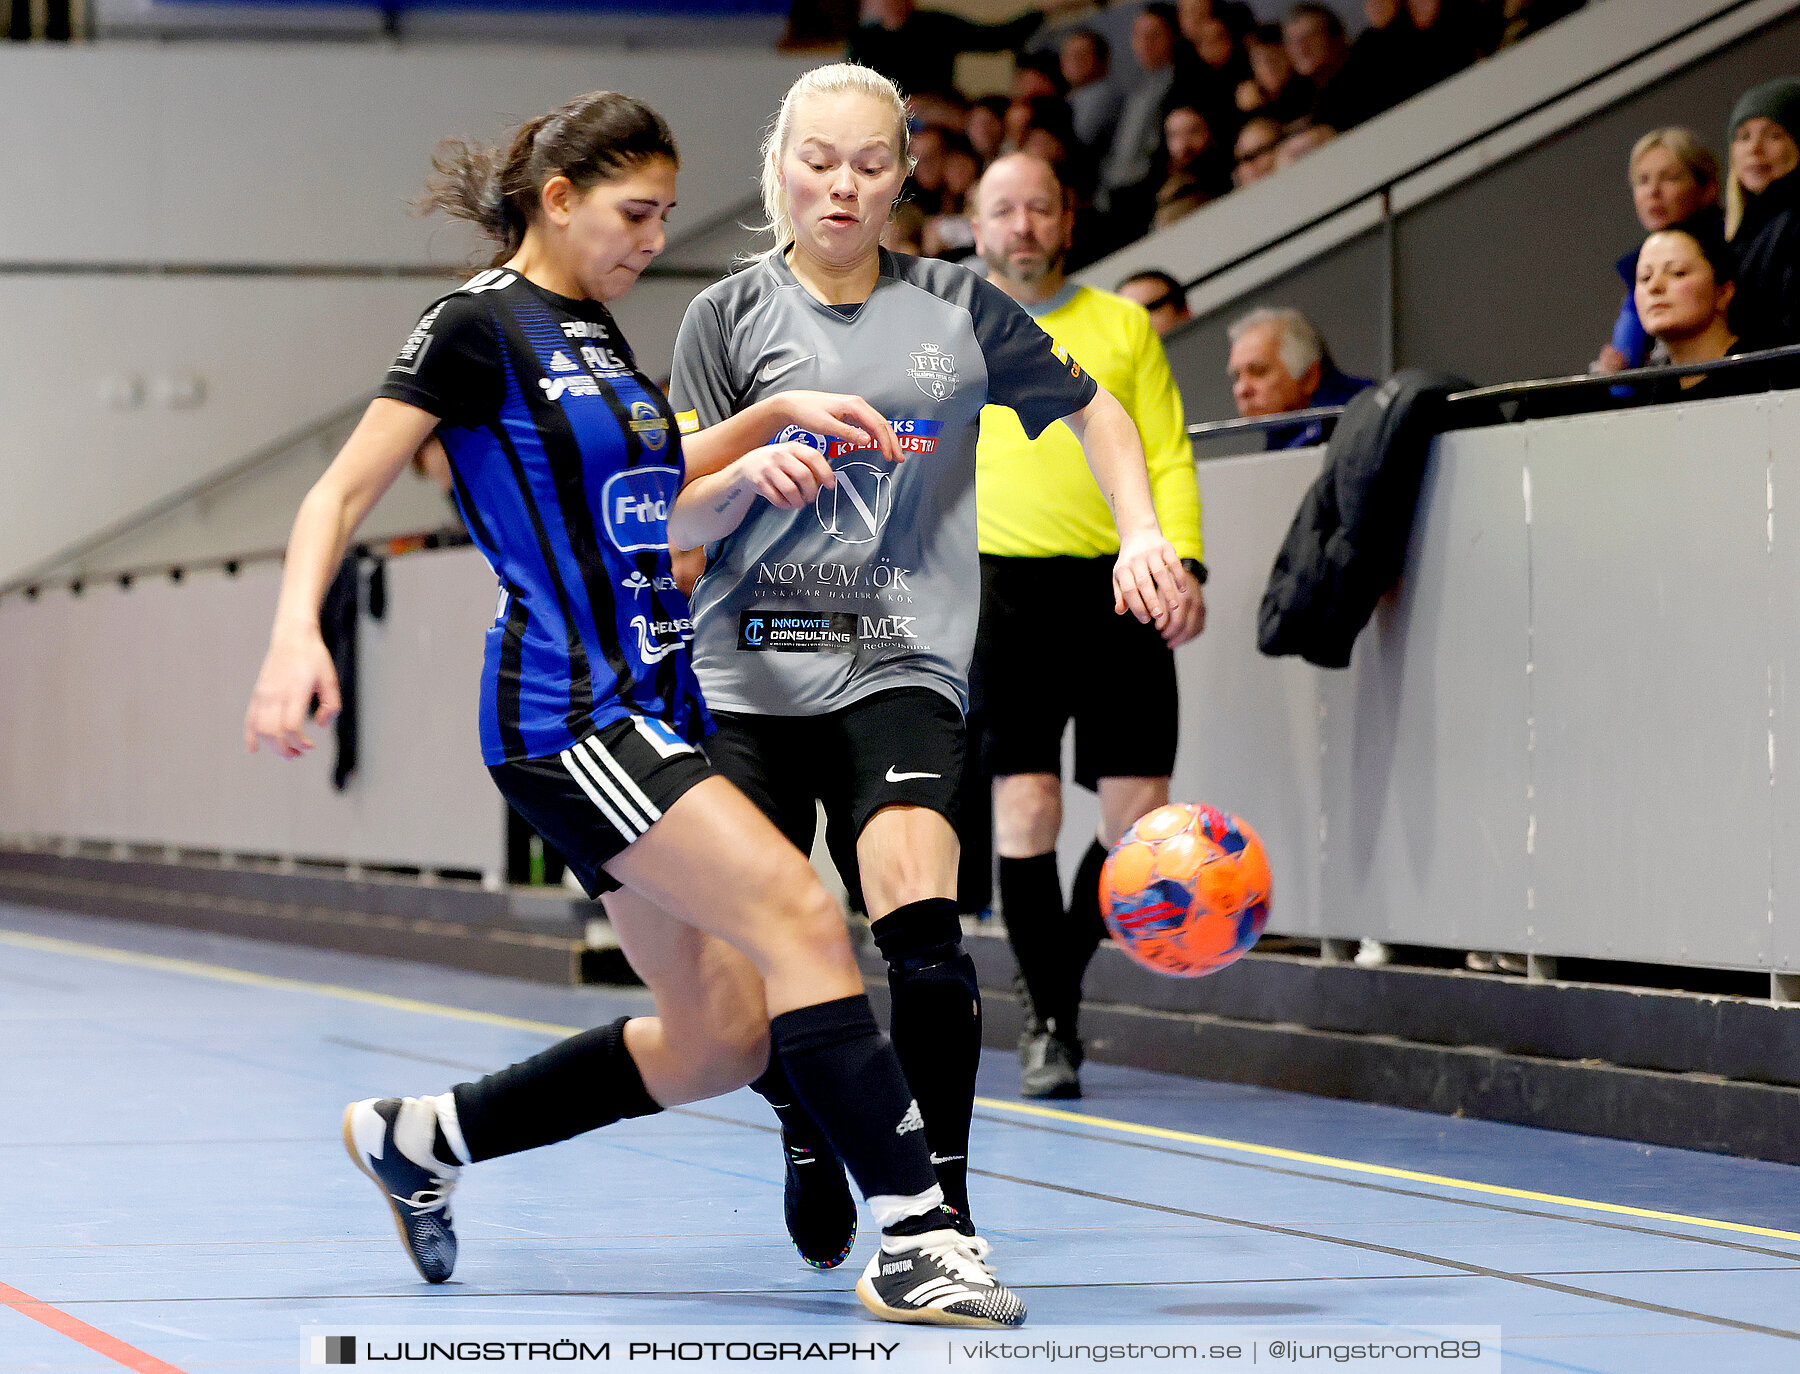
(415,1183)
(938,1278)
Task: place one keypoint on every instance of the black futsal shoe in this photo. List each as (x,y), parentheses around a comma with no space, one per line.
(815,1199)
(937,1277)
(418,1193)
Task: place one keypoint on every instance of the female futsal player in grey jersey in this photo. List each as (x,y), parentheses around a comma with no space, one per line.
(833,641)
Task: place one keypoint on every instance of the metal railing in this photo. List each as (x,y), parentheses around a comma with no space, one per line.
(1513,391)
(390,546)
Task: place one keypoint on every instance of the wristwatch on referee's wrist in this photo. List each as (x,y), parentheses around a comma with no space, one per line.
(1197,568)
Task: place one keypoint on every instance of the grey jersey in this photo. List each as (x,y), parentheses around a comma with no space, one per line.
(877,583)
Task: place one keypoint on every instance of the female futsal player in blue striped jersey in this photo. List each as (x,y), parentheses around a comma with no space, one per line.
(567,462)
(834,643)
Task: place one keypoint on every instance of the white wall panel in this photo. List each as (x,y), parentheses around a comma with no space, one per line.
(276,355)
(313,152)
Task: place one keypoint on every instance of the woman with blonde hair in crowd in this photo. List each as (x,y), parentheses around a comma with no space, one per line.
(1673,179)
(1762,209)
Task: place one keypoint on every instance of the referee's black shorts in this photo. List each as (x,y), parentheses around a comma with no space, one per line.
(596,798)
(1051,650)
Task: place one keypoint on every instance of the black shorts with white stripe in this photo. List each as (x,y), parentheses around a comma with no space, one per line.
(595,799)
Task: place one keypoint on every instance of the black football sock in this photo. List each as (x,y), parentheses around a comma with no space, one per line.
(936,1028)
(1086,930)
(844,1071)
(796,1122)
(1036,927)
(586,1081)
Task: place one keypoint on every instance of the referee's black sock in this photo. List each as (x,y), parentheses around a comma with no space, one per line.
(1037,928)
(936,1027)
(1085,930)
(586,1081)
(847,1076)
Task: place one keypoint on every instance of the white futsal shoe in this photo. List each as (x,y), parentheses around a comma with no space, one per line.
(937,1278)
(390,1138)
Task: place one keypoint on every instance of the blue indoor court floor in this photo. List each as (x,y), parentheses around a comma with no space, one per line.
(174,1193)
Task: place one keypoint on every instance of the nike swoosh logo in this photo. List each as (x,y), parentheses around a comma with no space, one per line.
(771,372)
(946,1159)
(892,776)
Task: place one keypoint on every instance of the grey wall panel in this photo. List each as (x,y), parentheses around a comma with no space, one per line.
(1510,274)
(127,715)
(1781,411)
(1650,569)
(1424,737)
(1249,724)
(1342,292)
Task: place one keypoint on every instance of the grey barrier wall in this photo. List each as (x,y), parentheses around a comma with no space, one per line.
(1565,733)
(125,708)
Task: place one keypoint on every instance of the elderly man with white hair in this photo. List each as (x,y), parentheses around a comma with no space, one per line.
(1279,363)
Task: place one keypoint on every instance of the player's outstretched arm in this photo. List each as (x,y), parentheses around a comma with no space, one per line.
(1148,579)
(785,475)
(849,418)
(297,666)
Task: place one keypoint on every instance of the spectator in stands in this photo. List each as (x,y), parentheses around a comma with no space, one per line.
(905,233)
(1319,51)
(1273,89)
(986,129)
(1762,209)
(1673,178)
(1279,363)
(1301,141)
(1198,168)
(1209,67)
(1254,152)
(1094,98)
(925,184)
(1377,75)
(1127,176)
(1684,297)
(1517,19)
(1443,41)
(1161,295)
(918,48)
(948,233)
(1038,76)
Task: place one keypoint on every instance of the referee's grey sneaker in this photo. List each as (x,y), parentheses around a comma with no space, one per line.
(937,1278)
(417,1189)
(1049,1064)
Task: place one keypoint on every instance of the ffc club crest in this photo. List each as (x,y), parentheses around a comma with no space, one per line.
(934,370)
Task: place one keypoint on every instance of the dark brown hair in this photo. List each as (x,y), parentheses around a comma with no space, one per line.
(595,138)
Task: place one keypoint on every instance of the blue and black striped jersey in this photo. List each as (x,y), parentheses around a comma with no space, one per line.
(567,461)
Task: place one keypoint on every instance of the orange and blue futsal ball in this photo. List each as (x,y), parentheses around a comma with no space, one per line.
(1185,891)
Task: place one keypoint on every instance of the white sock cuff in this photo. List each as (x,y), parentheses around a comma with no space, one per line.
(445,1106)
(888,1208)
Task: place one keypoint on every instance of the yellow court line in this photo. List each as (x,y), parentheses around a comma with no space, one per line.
(223,974)
(219,973)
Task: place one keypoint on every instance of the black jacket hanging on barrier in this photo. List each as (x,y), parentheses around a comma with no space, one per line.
(338,618)
(1348,540)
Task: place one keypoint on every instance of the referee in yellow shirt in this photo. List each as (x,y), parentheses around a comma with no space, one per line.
(1051,648)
